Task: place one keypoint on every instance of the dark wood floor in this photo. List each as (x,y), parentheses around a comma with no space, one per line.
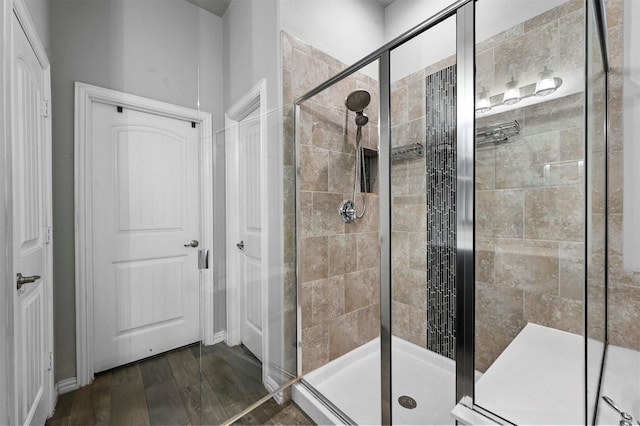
(169,390)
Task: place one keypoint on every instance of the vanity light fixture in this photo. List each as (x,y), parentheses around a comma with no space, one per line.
(483,104)
(547,83)
(512,95)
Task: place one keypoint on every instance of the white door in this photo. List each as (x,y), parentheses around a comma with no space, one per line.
(145,212)
(31,216)
(250,191)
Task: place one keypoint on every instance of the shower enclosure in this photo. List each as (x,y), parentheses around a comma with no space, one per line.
(474,281)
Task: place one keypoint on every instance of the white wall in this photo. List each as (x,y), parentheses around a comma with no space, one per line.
(348,30)
(147,48)
(631,132)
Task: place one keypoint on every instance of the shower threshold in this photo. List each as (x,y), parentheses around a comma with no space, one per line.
(352,383)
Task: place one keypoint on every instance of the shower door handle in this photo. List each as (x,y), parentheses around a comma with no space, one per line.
(240,245)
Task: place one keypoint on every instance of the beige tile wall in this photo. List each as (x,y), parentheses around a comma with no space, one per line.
(624,285)
(338,263)
(530,191)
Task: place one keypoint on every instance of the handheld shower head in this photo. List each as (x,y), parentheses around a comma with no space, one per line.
(361,119)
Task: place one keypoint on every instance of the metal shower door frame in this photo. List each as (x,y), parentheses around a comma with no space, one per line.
(464,11)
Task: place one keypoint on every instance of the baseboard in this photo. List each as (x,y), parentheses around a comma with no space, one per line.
(272,386)
(219,337)
(67,385)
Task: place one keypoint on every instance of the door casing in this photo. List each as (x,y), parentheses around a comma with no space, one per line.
(252,100)
(85,96)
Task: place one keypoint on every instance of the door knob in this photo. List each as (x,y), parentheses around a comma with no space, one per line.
(192,243)
(20,280)
(240,245)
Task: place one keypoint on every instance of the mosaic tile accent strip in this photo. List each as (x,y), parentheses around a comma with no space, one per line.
(441,210)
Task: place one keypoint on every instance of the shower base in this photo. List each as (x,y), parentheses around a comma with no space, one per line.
(352,383)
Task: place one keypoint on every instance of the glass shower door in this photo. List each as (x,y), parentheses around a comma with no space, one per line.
(423,224)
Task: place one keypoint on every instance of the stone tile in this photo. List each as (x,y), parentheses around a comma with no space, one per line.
(289,238)
(343,334)
(485,73)
(286,49)
(327,299)
(616,165)
(410,287)
(418,251)
(314,168)
(616,44)
(335,96)
(342,254)
(556,114)
(305,298)
(485,255)
(399,105)
(408,133)
(361,289)
(570,42)
(500,38)
(485,168)
(597,238)
(555,312)
(409,214)
(499,319)
(552,14)
(524,57)
(313,258)
(368,323)
(341,172)
(527,265)
(571,143)
(325,219)
(332,130)
(368,250)
(307,71)
(306,213)
(554,213)
(416,177)
(400,250)
(624,316)
(614,12)
(571,257)
(409,323)
(416,99)
(499,213)
(288,190)
(315,347)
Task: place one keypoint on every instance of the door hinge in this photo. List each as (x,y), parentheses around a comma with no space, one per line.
(49,234)
(50,361)
(46,108)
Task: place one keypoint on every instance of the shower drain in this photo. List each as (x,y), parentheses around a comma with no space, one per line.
(407,402)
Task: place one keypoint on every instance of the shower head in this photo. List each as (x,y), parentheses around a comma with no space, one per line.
(357,101)
(361,119)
